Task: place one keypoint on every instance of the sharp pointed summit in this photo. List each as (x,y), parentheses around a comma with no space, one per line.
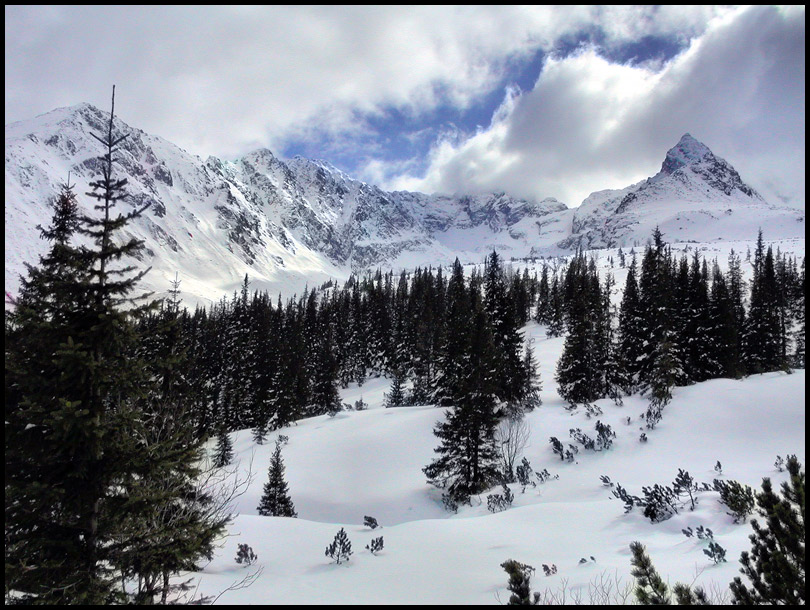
(697,196)
(687,151)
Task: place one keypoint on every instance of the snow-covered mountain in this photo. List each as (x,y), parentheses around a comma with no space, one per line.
(291,223)
(697,196)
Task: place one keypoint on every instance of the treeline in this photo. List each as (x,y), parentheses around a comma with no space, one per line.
(259,364)
(681,320)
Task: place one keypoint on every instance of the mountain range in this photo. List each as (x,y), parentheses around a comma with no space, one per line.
(292,223)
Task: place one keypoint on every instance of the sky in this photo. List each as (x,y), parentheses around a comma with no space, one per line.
(533,101)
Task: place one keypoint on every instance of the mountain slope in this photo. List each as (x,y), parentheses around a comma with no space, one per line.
(285,224)
(289,224)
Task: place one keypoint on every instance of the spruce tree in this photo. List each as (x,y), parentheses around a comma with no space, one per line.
(223,454)
(90,473)
(276,501)
(468,463)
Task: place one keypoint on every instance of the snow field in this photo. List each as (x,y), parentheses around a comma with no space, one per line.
(370,463)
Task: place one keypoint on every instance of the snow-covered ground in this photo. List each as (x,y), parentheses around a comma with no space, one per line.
(342,468)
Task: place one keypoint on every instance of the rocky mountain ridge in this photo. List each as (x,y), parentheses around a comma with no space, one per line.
(289,223)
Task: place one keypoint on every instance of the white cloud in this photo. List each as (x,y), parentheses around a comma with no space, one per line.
(225,80)
(591,124)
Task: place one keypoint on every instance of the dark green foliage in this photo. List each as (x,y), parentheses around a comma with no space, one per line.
(524,474)
(245,555)
(660,503)
(101,472)
(684,596)
(774,568)
(276,501)
(737,497)
(370,522)
(557,447)
(468,462)
(584,371)
(396,397)
(715,552)
(340,549)
(223,454)
(520,575)
(376,545)
(500,502)
(684,484)
(650,588)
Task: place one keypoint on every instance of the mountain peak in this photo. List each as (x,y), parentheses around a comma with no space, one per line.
(687,151)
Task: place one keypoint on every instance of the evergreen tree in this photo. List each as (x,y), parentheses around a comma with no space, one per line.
(650,588)
(276,501)
(84,451)
(520,583)
(556,323)
(541,313)
(341,547)
(223,454)
(775,565)
(506,338)
(468,463)
(763,336)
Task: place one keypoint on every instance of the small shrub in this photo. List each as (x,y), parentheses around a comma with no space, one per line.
(549,570)
(499,502)
(341,548)
(629,500)
(524,475)
(557,447)
(360,405)
(715,552)
(582,438)
(370,522)
(245,555)
(544,475)
(376,545)
(449,502)
(604,436)
(684,484)
(738,498)
(606,481)
(643,437)
(659,503)
(520,583)
(704,533)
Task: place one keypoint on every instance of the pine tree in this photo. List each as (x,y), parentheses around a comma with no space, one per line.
(223,454)
(468,463)
(340,548)
(276,501)
(775,565)
(763,335)
(520,583)
(650,588)
(506,338)
(90,473)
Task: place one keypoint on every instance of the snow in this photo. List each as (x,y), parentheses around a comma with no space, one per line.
(298,223)
(369,463)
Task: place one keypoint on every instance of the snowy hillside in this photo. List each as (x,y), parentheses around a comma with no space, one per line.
(296,223)
(369,463)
